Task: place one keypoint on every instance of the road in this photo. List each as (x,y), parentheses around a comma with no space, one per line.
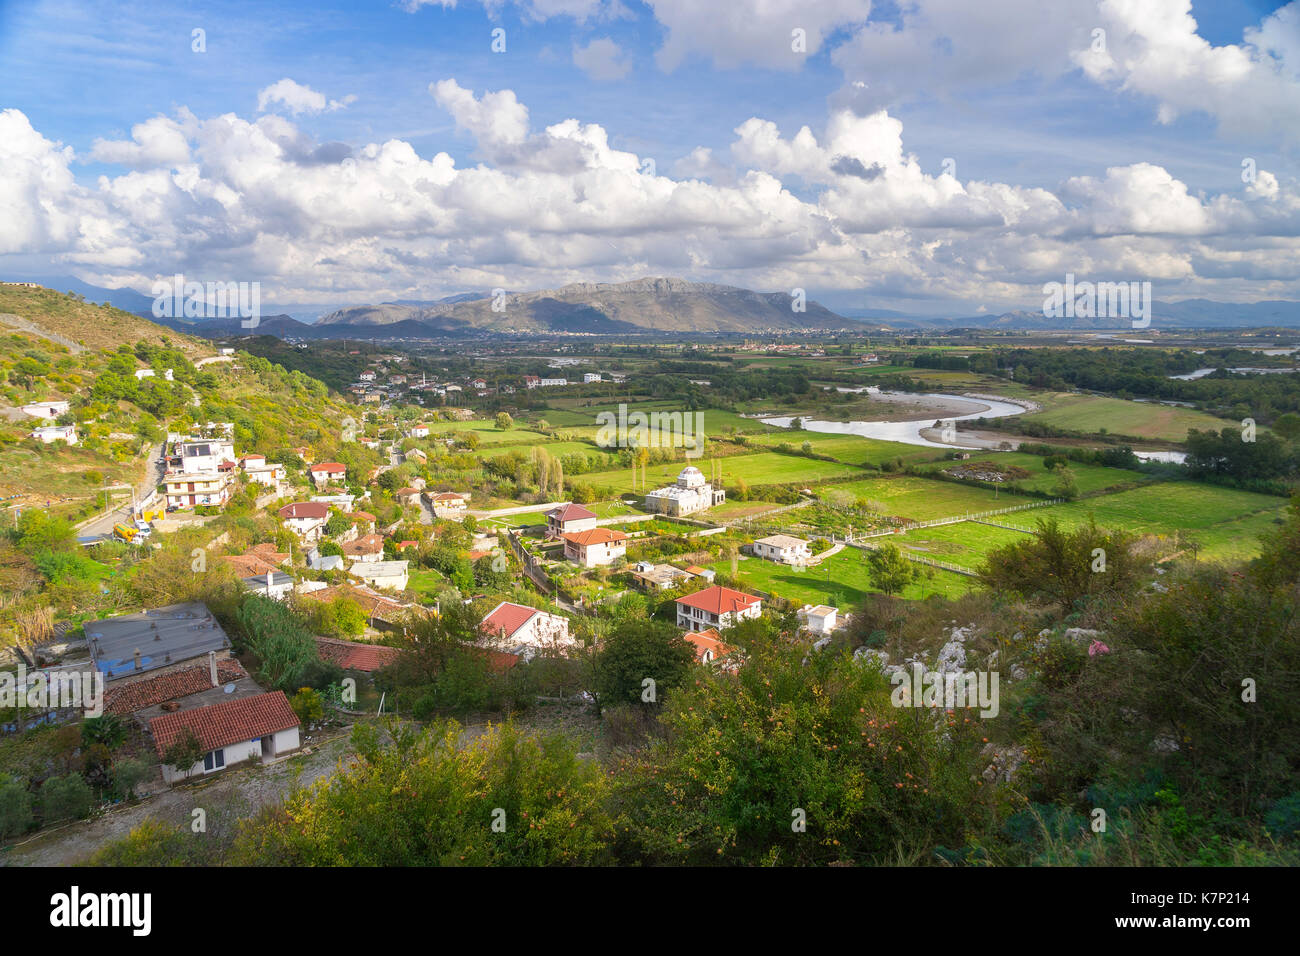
(103,524)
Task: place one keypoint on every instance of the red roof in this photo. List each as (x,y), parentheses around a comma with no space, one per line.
(448,496)
(570,512)
(708,640)
(305,509)
(507,618)
(230,722)
(719,600)
(354,655)
(138,695)
(367,544)
(595,536)
(361,516)
(330,466)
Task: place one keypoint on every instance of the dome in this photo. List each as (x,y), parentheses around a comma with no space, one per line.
(690,477)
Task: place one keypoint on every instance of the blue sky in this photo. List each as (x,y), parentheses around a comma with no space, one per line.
(1054,157)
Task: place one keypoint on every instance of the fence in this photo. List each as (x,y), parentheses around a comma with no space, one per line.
(973,516)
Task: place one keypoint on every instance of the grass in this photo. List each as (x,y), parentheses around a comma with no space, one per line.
(964,544)
(844,587)
(921,499)
(850,449)
(1091,414)
(764,468)
(1088,478)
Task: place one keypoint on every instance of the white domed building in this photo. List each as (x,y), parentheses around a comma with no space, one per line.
(689,494)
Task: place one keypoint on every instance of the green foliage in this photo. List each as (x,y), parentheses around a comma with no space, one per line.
(66,798)
(427,800)
(308,705)
(637,650)
(15,806)
(109,730)
(282,642)
(889,571)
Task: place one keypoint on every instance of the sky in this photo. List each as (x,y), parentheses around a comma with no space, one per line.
(926,156)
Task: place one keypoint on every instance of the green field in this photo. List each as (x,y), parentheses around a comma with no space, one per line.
(851,449)
(1088,478)
(964,544)
(848,582)
(921,499)
(763,468)
(1092,414)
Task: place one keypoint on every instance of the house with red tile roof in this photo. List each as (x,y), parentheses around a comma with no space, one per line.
(716,607)
(596,547)
(306,519)
(125,699)
(259,727)
(708,644)
(325,472)
(447,504)
(368,547)
(568,519)
(523,630)
(356,655)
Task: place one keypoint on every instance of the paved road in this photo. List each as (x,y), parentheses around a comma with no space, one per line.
(103,524)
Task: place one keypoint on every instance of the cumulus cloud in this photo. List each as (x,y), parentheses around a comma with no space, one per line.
(298,99)
(601,59)
(845,206)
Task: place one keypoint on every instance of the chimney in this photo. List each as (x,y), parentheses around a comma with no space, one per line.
(137,659)
(212,667)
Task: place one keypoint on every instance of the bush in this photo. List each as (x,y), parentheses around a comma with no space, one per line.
(66,798)
(15,806)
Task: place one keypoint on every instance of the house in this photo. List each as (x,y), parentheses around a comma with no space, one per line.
(547,382)
(783,548)
(818,619)
(408,496)
(532,381)
(343,502)
(306,519)
(386,575)
(257,469)
(324,562)
(525,630)
(259,727)
(383,611)
(49,434)
(419,431)
(589,377)
(366,377)
(275,586)
(188,489)
(447,504)
(227,351)
(658,577)
(596,547)
(369,547)
(356,655)
(47,409)
(478,383)
(699,572)
(154,641)
(190,457)
(708,645)
(131,697)
(716,607)
(262,559)
(416,455)
(327,471)
(142,373)
(689,494)
(568,519)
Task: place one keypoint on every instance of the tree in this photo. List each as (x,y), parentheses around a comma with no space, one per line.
(282,643)
(504,422)
(890,572)
(635,651)
(15,806)
(1066,486)
(308,705)
(127,775)
(66,798)
(184,752)
(337,523)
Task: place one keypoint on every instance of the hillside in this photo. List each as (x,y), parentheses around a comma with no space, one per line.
(65,320)
(643,305)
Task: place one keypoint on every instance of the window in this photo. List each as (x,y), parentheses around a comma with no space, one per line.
(214,760)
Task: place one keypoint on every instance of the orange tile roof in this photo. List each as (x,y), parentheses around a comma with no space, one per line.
(328,466)
(570,512)
(137,695)
(594,536)
(366,544)
(507,618)
(305,509)
(355,655)
(719,600)
(708,640)
(226,723)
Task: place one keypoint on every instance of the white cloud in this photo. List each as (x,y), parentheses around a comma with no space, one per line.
(155,142)
(298,99)
(601,59)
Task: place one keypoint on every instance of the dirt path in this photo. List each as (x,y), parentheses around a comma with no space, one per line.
(240,791)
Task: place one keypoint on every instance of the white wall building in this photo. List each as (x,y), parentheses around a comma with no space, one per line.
(689,494)
(783,548)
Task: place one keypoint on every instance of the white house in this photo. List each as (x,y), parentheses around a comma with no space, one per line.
(392,575)
(275,586)
(589,377)
(419,431)
(447,504)
(783,548)
(197,456)
(322,473)
(259,727)
(568,519)
(819,618)
(552,381)
(187,489)
(49,434)
(525,630)
(716,607)
(306,519)
(596,547)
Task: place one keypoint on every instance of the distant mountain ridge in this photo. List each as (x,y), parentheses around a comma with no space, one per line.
(642,305)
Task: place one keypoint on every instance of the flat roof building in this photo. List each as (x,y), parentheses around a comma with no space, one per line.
(147,642)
